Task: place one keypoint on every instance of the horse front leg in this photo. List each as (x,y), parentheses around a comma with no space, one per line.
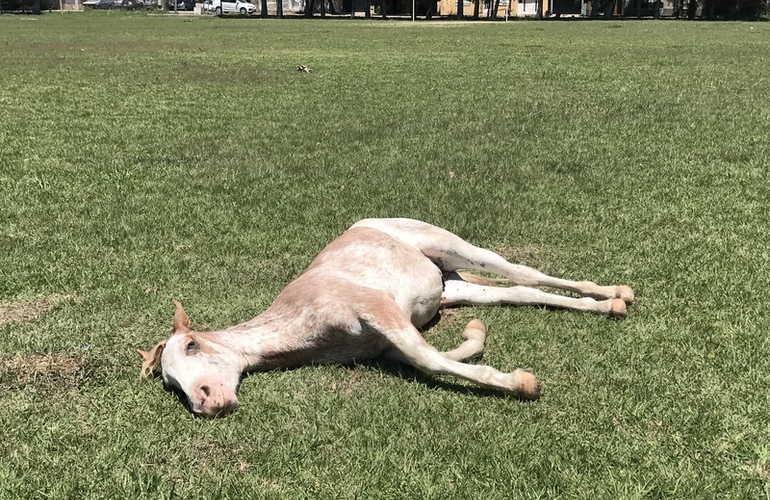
(409,347)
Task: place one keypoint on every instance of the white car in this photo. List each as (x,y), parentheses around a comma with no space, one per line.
(244,8)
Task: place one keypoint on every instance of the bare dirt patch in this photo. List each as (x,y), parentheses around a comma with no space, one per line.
(28,310)
(45,372)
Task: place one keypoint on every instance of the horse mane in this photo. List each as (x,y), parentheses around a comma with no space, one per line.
(151,366)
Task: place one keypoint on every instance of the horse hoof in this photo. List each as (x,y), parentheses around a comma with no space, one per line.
(529,386)
(625,293)
(618,308)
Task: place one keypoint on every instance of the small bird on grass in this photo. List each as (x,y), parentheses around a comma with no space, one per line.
(303,69)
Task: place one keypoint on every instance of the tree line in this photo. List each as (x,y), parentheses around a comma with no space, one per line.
(683,9)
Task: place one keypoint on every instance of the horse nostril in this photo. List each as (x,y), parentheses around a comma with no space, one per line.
(206,390)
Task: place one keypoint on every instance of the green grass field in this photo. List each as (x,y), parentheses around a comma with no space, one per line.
(144,159)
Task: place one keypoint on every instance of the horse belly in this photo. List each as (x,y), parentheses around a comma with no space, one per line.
(418,293)
(373,259)
(412,279)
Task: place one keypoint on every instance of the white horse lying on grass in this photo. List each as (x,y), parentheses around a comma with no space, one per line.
(365,295)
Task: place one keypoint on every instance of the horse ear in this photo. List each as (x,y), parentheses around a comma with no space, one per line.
(181,320)
(151,365)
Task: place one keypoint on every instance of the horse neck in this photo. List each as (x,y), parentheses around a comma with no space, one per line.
(263,342)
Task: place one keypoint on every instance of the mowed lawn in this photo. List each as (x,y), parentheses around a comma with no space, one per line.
(149,158)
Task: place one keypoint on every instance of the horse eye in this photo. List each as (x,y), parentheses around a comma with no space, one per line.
(191,346)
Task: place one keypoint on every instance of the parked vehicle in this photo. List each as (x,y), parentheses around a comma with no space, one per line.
(105,4)
(243,8)
(136,4)
(182,5)
(119,4)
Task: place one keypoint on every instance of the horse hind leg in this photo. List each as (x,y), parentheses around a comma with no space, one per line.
(458,292)
(452,253)
(459,254)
